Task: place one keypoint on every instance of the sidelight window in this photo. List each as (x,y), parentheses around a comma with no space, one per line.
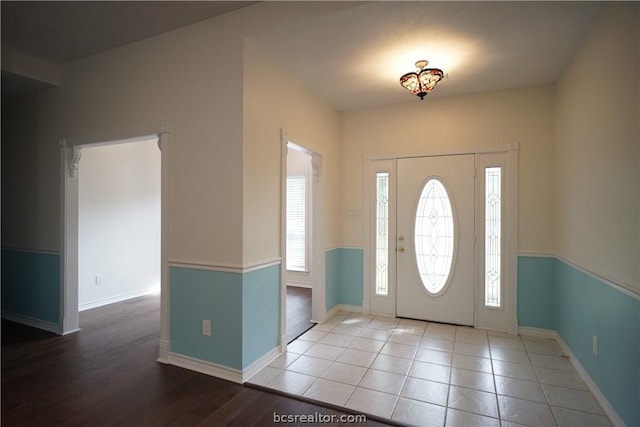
(493,237)
(382,233)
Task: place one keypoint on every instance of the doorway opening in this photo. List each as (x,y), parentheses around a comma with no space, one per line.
(302,247)
(298,272)
(118,223)
(107,200)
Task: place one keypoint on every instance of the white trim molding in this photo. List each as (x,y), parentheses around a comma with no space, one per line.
(122,297)
(204,367)
(582,373)
(32,251)
(69,156)
(34,323)
(608,281)
(163,356)
(221,371)
(260,364)
(612,283)
(514,146)
(342,307)
(297,284)
(536,254)
(537,332)
(75,160)
(317,257)
(591,385)
(202,265)
(333,248)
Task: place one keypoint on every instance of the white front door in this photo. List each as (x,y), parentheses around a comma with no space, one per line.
(435,238)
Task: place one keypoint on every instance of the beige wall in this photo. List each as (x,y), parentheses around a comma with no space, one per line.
(460,123)
(274,100)
(177,79)
(190,79)
(597,150)
(30,195)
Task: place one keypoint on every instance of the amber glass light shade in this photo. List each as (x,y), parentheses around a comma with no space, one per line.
(423,81)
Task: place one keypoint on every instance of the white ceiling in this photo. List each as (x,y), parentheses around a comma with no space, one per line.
(62,31)
(352,57)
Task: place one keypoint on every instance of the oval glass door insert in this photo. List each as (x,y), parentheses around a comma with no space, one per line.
(434,236)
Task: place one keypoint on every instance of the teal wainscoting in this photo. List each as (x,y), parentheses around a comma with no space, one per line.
(31,284)
(536,292)
(344,277)
(203,294)
(332,278)
(244,310)
(260,313)
(554,295)
(586,306)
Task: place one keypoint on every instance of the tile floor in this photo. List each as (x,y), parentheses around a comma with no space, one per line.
(432,374)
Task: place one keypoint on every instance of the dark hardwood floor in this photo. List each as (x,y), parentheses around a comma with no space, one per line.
(298,311)
(106,375)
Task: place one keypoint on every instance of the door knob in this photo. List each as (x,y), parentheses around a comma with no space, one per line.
(401,249)
(401,238)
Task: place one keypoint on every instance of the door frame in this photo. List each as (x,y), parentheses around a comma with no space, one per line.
(510,209)
(70,157)
(317,258)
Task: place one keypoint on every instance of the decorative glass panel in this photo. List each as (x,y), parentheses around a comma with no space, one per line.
(296,223)
(434,236)
(382,233)
(492,233)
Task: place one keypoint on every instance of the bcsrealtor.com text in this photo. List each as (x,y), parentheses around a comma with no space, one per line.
(318,418)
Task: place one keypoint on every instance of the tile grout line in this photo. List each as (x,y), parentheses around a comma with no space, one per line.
(413,359)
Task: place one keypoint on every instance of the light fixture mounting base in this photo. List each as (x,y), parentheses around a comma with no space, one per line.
(422,64)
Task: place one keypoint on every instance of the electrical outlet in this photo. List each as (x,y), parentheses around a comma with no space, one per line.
(595,345)
(206,327)
(99,280)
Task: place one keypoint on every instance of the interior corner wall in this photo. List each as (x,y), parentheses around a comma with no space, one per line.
(118,222)
(30,219)
(30,192)
(187,81)
(597,213)
(597,167)
(275,100)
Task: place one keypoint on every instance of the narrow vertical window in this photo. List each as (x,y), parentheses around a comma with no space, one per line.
(382,233)
(492,236)
(296,223)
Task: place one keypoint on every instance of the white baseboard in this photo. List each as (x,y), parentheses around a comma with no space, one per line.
(118,298)
(259,364)
(33,322)
(582,373)
(343,307)
(299,284)
(208,368)
(220,371)
(591,385)
(163,352)
(72,331)
(537,332)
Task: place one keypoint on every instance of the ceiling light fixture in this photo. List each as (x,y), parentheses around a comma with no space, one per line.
(422,81)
